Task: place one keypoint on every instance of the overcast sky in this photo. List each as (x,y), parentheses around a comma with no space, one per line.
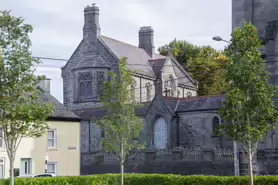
(58,25)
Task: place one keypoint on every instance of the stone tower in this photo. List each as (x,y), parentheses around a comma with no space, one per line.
(264,15)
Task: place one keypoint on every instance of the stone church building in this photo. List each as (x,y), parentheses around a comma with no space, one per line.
(178,124)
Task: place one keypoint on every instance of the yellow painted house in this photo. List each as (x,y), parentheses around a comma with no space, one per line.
(56,152)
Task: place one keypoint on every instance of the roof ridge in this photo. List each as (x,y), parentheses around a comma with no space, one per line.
(126,43)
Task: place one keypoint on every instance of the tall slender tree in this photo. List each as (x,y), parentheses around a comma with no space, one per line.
(249,103)
(121,126)
(22,113)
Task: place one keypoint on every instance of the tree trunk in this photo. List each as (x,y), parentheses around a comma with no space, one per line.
(122,164)
(11,171)
(250,167)
(122,173)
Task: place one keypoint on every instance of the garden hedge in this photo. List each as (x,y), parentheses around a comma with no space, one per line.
(144,179)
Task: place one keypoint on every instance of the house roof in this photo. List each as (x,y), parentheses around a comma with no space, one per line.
(137,58)
(196,103)
(183,77)
(100,112)
(60,111)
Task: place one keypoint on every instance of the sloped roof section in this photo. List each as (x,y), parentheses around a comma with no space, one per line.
(137,58)
(94,61)
(196,103)
(60,111)
(183,75)
(100,112)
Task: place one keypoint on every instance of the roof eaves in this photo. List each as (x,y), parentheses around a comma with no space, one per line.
(184,71)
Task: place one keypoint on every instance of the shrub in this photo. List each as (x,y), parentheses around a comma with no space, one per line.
(144,179)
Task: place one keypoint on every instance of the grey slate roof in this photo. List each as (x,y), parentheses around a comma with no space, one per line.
(183,77)
(197,103)
(94,61)
(137,58)
(100,112)
(60,111)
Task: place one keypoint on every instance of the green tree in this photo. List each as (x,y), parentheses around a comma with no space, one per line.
(208,68)
(249,104)
(204,64)
(121,126)
(181,50)
(22,113)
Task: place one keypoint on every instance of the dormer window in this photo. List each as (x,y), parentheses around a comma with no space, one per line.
(85,83)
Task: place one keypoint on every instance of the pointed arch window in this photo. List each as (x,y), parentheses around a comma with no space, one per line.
(160,133)
(85,81)
(215,125)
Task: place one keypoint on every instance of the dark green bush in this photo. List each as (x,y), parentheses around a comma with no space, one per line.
(144,179)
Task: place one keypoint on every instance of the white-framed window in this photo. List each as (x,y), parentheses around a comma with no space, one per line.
(2,168)
(52,167)
(25,166)
(2,141)
(52,138)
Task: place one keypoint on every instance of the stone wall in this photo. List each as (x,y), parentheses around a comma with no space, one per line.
(178,161)
(185,161)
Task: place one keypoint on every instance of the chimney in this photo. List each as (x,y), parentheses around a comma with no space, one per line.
(45,85)
(91,29)
(146,34)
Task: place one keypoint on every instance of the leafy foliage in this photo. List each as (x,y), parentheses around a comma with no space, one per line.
(205,64)
(121,126)
(146,179)
(250,99)
(22,113)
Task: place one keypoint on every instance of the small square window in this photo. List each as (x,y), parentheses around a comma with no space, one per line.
(52,167)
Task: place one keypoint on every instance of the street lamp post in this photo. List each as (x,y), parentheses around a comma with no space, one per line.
(236,162)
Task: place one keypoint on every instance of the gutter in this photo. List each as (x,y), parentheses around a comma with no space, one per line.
(198,110)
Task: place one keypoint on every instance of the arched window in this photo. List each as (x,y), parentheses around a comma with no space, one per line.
(85,85)
(170,86)
(215,125)
(160,133)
